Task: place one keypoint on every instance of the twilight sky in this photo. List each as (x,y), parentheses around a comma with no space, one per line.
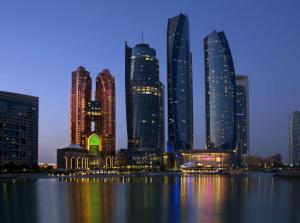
(42,42)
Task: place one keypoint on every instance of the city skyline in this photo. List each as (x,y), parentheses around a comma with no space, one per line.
(247,60)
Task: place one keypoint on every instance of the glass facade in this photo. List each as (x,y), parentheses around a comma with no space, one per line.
(18,129)
(220,93)
(294,138)
(128,94)
(242,114)
(180,90)
(144,99)
(205,158)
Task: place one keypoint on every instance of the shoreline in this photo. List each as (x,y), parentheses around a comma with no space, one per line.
(12,176)
(20,176)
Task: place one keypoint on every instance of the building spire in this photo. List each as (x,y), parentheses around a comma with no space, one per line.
(142,37)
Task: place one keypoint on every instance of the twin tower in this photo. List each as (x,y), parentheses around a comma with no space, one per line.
(93,122)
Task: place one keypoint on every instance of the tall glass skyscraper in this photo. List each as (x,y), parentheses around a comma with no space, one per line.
(180,88)
(294,138)
(19,115)
(128,94)
(144,99)
(220,93)
(242,113)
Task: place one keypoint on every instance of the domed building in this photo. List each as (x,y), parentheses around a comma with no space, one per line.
(72,157)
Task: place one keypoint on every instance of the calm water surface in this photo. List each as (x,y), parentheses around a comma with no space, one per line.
(207,199)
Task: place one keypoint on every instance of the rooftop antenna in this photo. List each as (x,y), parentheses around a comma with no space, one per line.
(142,37)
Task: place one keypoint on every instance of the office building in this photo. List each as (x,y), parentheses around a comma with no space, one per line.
(294,138)
(128,94)
(144,99)
(18,129)
(147,160)
(242,114)
(180,87)
(220,93)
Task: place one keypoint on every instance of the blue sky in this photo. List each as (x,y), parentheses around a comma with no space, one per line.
(42,42)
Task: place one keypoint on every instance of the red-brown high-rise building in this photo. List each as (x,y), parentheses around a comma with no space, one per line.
(80,97)
(106,126)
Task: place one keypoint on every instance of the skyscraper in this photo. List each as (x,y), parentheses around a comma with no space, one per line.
(242,113)
(180,88)
(220,93)
(294,138)
(143,99)
(105,95)
(128,94)
(18,129)
(80,97)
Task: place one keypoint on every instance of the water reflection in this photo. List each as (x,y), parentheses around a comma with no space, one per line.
(208,199)
(18,201)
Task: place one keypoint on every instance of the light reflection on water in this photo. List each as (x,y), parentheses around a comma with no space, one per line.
(208,199)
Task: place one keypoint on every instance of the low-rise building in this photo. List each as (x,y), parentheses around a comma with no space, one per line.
(139,160)
(202,160)
(72,157)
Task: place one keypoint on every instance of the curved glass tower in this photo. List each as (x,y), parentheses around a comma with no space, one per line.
(180,90)
(220,93)
(144,99)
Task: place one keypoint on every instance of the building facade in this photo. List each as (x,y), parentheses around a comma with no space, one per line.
(242,114)
(144,99)
(93,122)
(180,87)
(294,138)
(18,129)
(139,160)
(220,93)
(128,95)
(207,160)
(72,157)
(81,95)
(106,96)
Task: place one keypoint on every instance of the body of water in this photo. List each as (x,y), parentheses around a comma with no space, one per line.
(209,199)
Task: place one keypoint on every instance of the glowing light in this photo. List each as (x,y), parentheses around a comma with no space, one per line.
(94,144)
